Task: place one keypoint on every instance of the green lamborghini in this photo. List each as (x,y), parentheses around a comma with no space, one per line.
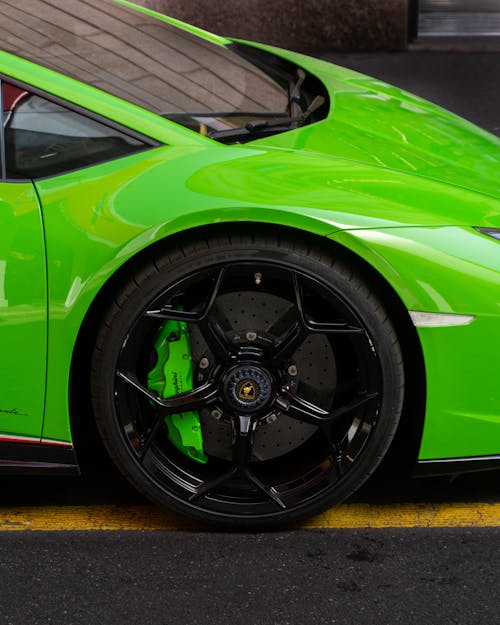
(256,271)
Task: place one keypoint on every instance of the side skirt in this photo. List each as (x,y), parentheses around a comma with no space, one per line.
(22,458)
(456,466)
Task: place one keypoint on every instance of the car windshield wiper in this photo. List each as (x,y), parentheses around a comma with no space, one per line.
(295,93)
(271,124)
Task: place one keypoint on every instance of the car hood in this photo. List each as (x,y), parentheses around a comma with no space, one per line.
(380,125)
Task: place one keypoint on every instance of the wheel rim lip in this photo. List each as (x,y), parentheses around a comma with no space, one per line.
(239,265)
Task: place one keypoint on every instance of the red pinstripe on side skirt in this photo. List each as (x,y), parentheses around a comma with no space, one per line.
(11,438)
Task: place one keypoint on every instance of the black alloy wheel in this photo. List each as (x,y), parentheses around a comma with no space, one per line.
(297,381)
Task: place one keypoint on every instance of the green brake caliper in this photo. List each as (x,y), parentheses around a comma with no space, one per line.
(173,374)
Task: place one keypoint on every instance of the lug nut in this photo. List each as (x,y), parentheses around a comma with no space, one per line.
(292,370)
(283,403)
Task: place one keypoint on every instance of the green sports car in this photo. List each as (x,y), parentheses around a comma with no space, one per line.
(255,270)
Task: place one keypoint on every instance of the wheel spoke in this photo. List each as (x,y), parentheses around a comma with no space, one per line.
(283,324)
(269,492)
(302,410)
(299,301)
(289,343)
(243,428)
(214,293)
(207,487)
(334,449)
(143,449)
(169,313)
(315,327)
(362,400)
(331,328)
(291,333)
(215,337)
(299,327)
(131,380)
(243,433)
(196,399)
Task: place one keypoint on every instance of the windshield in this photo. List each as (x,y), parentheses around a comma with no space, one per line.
(146,61)
(135,56)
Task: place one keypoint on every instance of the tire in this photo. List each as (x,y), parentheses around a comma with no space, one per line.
(297,381)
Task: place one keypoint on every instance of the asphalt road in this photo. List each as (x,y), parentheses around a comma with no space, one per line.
(302,577)
(297,578)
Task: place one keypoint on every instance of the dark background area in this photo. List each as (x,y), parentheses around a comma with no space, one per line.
(299,24)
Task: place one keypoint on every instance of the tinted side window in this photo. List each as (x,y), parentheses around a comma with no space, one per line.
(43,138)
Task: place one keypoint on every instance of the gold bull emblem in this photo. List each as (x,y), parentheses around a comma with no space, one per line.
(248,391)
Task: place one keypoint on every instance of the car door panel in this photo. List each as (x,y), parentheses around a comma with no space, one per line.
(23,311)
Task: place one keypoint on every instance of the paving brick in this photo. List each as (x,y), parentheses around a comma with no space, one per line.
(299,24)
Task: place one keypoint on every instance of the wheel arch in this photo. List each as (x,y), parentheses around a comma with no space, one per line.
(405,446)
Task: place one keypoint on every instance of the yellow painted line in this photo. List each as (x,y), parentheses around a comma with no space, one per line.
(354,516)
(347,516)
(90,518)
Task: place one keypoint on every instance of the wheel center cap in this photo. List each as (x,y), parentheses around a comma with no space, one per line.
(248,388)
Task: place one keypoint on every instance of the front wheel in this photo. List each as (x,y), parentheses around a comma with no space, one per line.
(247,383)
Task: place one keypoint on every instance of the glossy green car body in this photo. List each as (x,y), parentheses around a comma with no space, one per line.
(391,180)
